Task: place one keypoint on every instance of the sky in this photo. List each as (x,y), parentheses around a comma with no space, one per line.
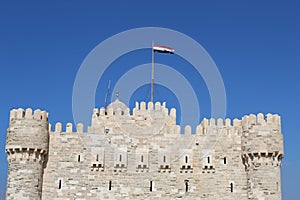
(254,45)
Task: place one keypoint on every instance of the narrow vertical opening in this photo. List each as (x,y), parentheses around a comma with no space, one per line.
(277,186)
(120,158)
(231,187)
(78,158)
(97,157)
(186,159)
(59,184)
(109,185)
(142,158)
(208,159)
(164,158)
(225,161)
(150,186)
(186,185)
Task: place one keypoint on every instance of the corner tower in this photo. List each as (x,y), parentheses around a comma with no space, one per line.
(262,152)
(27,144)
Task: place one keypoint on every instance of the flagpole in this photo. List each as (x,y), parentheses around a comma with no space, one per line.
(152,80)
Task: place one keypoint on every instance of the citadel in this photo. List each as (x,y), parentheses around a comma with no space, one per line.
(143,154)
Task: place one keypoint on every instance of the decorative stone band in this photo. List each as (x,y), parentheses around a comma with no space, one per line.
(26,154)
(262,158)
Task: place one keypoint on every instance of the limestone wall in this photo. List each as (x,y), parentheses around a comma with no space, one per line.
(145,155)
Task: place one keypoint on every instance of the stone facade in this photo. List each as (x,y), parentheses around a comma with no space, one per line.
(143,155)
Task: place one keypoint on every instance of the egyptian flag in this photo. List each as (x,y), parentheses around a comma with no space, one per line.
(163,49)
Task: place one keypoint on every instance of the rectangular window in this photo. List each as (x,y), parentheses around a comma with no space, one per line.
(109,185)
(150,186)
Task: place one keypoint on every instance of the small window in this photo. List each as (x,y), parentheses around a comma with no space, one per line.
(120,158)
(225,161)
(164,158)
(59,184)
(186,159)
(142,158)
(106,130)
(231,187)
(208,159)
(109,185)
(150,186)
(78,158)
(186,185)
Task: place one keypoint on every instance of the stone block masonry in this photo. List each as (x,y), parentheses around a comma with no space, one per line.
(143,155)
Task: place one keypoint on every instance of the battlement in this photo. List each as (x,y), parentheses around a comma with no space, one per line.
(58,128)
(146,147)
(220,122)
(28,114)
(261,119)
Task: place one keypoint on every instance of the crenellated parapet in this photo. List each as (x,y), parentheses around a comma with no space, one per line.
(68,128)
(19,114)
(28,129)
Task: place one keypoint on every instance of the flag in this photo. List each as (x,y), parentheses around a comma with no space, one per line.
(163,49)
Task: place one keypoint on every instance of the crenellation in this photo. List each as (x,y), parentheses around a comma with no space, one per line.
(20,113)
(58,127)
(28,113)
(157,106)
(187,130)
(212,122)
(237,122)
(205,123)
(227,122)
(220,123)
(102,111)
(144,155)
(69,127)
(79,128)
(261,119)
(199,130)
(143,105)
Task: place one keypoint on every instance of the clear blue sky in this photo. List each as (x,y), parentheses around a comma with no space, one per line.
(255,45)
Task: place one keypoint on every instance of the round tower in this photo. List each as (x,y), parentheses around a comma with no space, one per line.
(262,152)
(27,144)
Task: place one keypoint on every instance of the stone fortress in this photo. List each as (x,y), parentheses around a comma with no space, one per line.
(143,154)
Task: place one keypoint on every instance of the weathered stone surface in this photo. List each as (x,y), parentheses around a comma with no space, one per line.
(143,156)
